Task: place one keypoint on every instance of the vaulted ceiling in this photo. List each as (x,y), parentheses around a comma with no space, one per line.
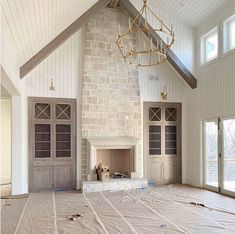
(34,23)
(191,12)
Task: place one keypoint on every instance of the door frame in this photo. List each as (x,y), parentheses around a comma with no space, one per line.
(206,186)
(220,156)
(221,176)
(52,123)
(145,143)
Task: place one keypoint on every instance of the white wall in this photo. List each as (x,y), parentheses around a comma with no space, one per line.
(62,67)
(5,163)
(19,145)
(214,96)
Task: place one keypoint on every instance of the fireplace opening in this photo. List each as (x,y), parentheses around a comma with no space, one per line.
(118,160)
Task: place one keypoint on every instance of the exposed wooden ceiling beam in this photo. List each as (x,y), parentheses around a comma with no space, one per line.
(61,38)
(114,3)
(128,8)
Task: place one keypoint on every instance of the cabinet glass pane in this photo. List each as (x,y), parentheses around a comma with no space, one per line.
(42,111)
(63,140)
(63,111)
(170,140)
(42,141)
(171,114)
(229,154)
(154,114)
(154,140)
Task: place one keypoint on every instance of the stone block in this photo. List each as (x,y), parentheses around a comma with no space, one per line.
(110,88)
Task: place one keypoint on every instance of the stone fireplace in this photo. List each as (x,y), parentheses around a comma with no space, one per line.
(119,153)
(111,105)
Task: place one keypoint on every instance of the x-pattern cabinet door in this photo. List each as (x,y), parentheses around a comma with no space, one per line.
(52,144)
(162,142)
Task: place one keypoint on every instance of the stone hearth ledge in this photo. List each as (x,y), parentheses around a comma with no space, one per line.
(113,185)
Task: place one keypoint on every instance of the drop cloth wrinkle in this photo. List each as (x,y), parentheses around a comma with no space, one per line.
(71,203)
(182,216)
(140,217)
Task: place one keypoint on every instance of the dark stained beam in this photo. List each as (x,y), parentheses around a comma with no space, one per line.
(128,8)
(61,38)
(113,3)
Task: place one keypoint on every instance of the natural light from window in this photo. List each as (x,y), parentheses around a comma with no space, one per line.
(209,46)
(232,34)
(229,34)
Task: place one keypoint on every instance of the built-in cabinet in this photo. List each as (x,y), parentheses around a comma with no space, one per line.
(162,142)
(52,144)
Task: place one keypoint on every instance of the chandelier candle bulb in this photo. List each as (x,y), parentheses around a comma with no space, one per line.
(151,44)
(129,24)
(131,46)
(119,30)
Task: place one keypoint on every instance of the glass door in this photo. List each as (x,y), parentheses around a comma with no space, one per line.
(219,155)
(211,162)
(228,155)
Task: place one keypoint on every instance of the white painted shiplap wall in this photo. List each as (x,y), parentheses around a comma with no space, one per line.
(63,67)
(213,97)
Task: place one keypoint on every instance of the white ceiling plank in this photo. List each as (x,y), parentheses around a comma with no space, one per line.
(191,12)
(8,29)
(33,23)
(11,18)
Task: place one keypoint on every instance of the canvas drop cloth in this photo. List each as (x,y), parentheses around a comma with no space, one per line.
(164,209)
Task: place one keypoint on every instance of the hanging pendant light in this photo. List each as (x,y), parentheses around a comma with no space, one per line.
(52,87)
(149,51)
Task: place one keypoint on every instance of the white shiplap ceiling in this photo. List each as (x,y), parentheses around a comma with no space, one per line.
(191,12)
(34,23)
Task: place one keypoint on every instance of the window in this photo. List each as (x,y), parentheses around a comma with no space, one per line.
(219,155)
(209,46)
(229,34)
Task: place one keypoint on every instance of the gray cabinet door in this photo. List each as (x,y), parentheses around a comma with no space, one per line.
(162,142)
(52,144)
